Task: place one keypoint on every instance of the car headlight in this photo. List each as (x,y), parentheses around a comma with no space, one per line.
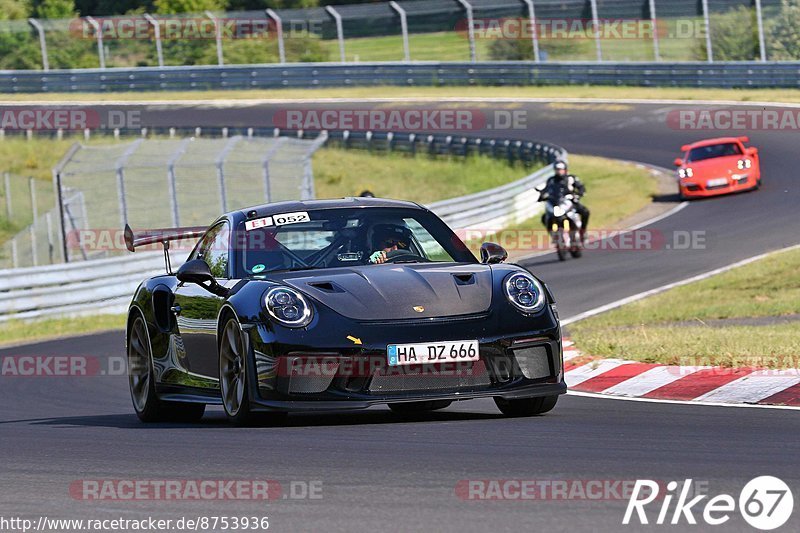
(686,172)
(524,292)
(288,307)
(744,163)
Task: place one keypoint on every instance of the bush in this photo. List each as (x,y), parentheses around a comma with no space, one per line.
(784,37)
(734,36)
(522,49)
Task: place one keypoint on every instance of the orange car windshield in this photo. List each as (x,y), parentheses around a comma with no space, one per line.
(715,150)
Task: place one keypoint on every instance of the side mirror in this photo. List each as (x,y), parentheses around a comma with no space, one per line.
(752,151)
(678,162)
(744,139)
(492,253)
(198,272)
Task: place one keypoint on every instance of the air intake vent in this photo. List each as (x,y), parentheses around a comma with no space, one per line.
(464,279)
(326,286)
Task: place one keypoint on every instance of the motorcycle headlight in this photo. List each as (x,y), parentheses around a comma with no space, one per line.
(524,292)
(288,307)
(558,211)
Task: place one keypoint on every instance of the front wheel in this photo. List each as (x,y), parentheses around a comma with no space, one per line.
(233,379)
(526,406)
(148,407)
(561,246)
(576,251)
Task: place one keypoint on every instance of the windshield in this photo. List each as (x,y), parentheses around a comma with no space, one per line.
(332,238)
(715,150)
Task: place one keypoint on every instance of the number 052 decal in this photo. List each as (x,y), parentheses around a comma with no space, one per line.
(291,218)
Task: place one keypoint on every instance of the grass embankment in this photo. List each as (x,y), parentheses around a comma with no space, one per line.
(746,316)
(17,331)
(24,159)
(515,92)
(339,173)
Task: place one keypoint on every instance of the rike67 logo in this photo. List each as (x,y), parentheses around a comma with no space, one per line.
(766,503)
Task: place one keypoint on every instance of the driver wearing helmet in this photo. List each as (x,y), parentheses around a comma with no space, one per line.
(562,183)
(387,240)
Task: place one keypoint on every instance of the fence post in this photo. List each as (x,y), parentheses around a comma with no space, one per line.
(34,206)
(120,169)
(34,253)
(279,29)
(265,166)
(596,22)
(471,29)
(308,192)
(7,190)
(534,29)
(42,42)
(339,30)
(157,34)
(50,245)
(762,45)
(59,196)
(403,27)
(654,21)
(172,181)
(14,253)
(220,162)
(99,35)
(218,36)
(707,25)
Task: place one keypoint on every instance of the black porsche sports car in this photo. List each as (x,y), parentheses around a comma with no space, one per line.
(333,304)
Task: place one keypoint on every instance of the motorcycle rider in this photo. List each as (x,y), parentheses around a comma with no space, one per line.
(563,183)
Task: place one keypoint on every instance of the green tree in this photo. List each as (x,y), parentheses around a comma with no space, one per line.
(54,9)
(522,49)
(784,40)
(734,36)
(168,7)
(14,9)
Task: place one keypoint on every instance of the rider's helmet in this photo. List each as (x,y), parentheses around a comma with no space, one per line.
(383,236)
(561,169)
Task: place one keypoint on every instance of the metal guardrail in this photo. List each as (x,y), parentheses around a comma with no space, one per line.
(312,75)
(90,287)
(106,285)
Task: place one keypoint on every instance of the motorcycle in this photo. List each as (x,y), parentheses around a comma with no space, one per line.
(563,223)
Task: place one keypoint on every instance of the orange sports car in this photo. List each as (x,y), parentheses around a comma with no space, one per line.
(718,166)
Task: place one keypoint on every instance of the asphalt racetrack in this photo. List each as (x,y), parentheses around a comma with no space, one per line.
(381,472)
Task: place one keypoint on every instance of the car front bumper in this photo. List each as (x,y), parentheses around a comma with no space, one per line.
(698,188)
(353,377)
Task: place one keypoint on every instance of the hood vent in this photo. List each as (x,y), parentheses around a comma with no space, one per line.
(464,279)
(326,286)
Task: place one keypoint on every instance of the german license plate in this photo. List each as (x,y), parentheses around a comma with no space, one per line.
(432,352)
(718,182)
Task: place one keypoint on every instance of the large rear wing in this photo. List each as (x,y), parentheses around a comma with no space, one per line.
(162,236)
